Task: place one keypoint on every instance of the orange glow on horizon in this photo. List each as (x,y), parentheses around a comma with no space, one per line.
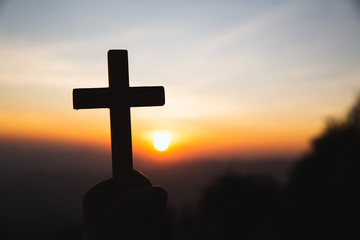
(196,141)
(211,145)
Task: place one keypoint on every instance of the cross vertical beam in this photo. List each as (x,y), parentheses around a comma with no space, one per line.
(120,118)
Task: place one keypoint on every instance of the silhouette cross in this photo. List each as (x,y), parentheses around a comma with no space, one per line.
(119,97)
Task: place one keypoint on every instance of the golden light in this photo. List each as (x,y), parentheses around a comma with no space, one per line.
(161,140)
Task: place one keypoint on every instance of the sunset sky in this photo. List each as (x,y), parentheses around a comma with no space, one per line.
(241,78)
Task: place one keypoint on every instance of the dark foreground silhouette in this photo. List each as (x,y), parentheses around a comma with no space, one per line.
(138,213)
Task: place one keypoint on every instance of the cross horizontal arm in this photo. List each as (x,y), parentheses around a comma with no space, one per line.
(85,98)
(144,96)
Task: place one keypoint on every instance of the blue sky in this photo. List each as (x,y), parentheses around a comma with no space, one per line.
(245,65)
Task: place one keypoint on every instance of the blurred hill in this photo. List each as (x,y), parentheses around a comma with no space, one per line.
(42,184)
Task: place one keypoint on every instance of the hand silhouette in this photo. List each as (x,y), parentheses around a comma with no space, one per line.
(135,214)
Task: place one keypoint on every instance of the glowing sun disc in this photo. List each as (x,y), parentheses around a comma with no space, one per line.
(161,141)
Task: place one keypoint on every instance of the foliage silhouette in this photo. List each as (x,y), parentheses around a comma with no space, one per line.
(247,207)
(318,201)
(323,184)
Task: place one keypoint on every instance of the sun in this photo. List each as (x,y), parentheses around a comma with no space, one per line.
(161,140)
